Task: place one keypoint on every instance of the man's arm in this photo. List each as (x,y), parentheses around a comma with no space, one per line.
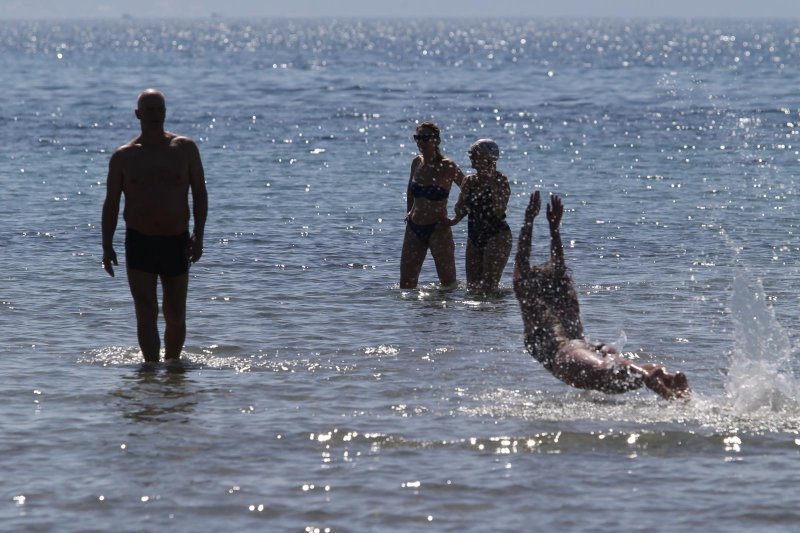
(522,266)
(111,211)
(197,182)
(555,210)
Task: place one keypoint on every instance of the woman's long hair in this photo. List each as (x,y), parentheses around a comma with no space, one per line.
(433,127)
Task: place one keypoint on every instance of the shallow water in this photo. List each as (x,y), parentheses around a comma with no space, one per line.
(318,394)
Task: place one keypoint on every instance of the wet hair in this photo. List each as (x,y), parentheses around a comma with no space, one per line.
(431,126)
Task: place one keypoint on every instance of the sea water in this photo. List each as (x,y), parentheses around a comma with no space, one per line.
(320,396)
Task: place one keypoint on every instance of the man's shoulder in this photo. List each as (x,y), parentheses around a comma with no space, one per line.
(180,140)
(127,148)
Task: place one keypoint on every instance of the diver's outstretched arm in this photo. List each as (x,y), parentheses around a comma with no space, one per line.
(522,265)
(555,210)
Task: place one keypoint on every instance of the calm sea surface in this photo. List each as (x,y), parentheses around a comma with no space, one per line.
(319,396)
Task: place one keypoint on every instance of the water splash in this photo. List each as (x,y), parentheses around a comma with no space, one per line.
(622,340)
(760,375)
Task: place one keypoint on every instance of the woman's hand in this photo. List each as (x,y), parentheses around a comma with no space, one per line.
(449,222)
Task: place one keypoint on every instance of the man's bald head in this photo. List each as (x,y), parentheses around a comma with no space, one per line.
(151,109)
(149,97)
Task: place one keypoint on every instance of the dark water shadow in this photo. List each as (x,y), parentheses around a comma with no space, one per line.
(158,393)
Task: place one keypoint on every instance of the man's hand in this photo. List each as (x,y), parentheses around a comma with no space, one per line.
(555,210)
(109,259)
(195,248)
(534,206)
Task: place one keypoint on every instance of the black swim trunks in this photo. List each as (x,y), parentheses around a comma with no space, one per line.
(541,344)
(167,256)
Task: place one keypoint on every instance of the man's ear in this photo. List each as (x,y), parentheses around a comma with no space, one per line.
(136,112)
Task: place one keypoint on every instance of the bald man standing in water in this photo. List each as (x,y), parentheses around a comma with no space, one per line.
(155,171)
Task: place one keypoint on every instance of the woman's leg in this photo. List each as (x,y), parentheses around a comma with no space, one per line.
(411,259)
(474,266)
(495,258)
(443,250)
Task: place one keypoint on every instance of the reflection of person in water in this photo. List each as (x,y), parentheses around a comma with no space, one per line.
(553,329)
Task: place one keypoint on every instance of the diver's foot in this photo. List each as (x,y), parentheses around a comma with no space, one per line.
(679,385)
(657,385)
(668,386)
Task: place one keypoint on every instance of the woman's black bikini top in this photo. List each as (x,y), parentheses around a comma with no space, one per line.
(430,192)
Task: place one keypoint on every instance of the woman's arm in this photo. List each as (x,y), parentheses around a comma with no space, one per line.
(501,192)
(461,209)
(458,176)
(409,194)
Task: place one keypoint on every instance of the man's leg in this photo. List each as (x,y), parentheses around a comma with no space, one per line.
(175,290)
(143,287)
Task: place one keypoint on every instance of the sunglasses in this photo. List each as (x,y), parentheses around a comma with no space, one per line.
(425,137)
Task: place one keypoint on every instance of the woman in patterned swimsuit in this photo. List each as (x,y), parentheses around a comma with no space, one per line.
(484,198)
(553,329)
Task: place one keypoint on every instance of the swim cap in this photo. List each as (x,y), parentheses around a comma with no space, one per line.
(486,147)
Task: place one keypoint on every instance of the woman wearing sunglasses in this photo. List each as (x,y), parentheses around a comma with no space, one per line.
(427,227)
(484,197)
